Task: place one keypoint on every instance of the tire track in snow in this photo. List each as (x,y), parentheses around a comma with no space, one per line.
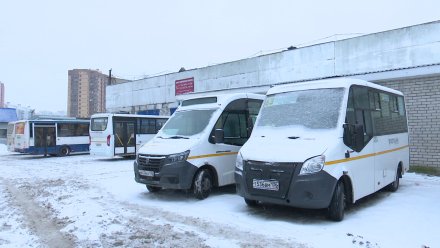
(38,218)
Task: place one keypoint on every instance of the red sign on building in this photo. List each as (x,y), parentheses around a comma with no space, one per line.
(184,86)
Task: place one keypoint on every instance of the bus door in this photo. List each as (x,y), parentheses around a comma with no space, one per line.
(125,137)
(45,139)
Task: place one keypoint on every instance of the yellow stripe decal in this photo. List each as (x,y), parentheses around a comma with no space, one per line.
(213,155)
(364,156)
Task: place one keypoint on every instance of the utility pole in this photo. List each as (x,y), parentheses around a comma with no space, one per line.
(110,77)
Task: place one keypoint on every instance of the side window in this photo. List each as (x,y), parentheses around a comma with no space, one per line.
(147,126)
(237,121)
(391,117)
(359,110)
(232,126)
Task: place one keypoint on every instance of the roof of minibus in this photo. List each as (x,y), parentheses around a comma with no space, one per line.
(127,115)
(327,83)
(56,120)
(222,100)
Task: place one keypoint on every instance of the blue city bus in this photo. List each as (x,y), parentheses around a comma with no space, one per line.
(53,137)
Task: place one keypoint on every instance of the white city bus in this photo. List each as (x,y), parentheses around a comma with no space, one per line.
(197,147)
(10,136)
(324,144)
(122,134)
(54,137)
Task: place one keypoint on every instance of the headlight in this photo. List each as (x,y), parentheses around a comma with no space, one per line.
(239,162)
(313,165)
(178,157)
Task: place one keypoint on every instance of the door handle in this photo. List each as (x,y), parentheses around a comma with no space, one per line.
(223,151)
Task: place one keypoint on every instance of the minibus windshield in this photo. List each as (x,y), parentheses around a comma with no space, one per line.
(187,123)
(313,109)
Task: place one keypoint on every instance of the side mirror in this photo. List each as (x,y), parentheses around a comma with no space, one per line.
(219,136)
(354,136)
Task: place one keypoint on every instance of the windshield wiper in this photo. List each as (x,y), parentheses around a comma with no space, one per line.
(177,137)
(293,137)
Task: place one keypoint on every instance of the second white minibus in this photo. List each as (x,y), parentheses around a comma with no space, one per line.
(197,147)
(324,144)
(122,134)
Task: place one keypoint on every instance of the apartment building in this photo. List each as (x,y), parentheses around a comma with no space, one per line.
(86,92)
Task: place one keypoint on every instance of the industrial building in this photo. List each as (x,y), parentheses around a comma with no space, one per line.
(406,59)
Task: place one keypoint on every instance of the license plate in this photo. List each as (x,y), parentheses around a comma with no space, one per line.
(98,144)
(266,184)
(146,173)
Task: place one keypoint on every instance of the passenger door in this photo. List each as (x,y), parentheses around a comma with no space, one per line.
(125,139)
(45,139)
(362,170)
(236,121)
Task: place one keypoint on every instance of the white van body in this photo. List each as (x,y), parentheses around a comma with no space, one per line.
(120,135)
(305,150)
(185,154)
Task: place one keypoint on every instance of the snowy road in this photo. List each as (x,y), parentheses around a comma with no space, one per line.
(82,201)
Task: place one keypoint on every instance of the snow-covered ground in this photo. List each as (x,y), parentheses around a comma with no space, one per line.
(82,201)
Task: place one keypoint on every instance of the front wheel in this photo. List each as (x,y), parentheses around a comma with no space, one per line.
(337,204)
(153,189)
(202,184)
(251,203)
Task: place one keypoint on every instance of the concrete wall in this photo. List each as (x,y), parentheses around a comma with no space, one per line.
(406,59)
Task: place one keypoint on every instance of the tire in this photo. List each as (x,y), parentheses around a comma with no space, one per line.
(64,151)
(202,184)
(337,204)
(394,186)
(153,189)
(251,203)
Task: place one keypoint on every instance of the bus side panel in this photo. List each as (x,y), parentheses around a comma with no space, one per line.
(76,144)
(390,151)
(359,167)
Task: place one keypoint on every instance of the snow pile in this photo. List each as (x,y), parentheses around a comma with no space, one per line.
(96,203)
(3,149)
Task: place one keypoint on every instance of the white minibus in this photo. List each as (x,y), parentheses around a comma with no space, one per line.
(324,144)
(122,134)
(197,147)
(55,137)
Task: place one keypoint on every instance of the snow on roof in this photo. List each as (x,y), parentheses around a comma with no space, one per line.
(327,83)
(8,114)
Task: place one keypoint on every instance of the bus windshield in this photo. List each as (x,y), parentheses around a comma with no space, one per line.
(188,123)
(99,124)
(313,109)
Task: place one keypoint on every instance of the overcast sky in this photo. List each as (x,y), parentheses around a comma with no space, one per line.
(41,40)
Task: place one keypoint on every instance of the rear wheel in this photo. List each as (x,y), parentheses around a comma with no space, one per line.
(202,184)
(337,204)
(394,186)
(64,151)
(153,189)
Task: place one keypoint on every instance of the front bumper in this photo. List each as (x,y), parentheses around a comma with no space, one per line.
(312,191)
(172,176)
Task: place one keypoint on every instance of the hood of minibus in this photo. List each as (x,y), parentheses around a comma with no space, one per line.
(166,146)
(285,147)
